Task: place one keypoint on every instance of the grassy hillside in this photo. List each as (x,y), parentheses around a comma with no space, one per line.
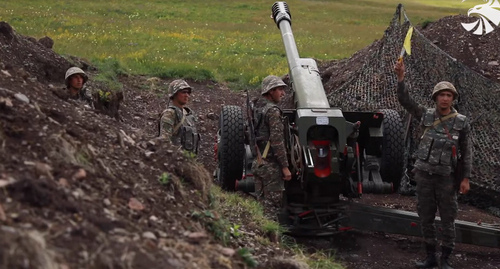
(225,40)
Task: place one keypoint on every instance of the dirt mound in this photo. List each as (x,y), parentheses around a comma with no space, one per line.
(30,58)
(22,245)
(338,72)
(478,52)
(83,180)
(94,191)
(207,100)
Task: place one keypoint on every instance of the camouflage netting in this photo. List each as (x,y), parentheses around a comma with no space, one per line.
(370,85)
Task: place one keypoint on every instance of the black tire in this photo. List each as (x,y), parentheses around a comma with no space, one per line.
(231,147)
(393,148)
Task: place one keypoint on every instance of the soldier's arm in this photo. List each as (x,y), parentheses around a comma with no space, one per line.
(408,103)
(276,136)
(167,124)
(466,149)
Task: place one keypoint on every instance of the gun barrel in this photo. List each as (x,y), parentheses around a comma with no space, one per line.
(304,72)
(283,19)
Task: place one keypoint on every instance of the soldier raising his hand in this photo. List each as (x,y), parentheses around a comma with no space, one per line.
(445,139)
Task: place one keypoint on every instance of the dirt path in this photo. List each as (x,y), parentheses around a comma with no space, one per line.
(379,251)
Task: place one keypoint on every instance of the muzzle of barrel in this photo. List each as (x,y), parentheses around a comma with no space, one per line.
(281,12)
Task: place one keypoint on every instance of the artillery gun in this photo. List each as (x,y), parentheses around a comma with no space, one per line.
(332,153)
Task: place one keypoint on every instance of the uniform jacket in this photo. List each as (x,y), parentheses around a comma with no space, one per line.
(186,134)
(434,153)
(269,127)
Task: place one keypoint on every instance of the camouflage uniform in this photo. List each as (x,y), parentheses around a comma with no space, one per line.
(434,166)
(269,127)
(178,125)
(186,134)
(85,96)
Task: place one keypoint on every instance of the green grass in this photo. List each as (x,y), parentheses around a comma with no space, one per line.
(238,206)
(315,259)
(219,227)
(232,41)
(318,260)
(455,4)
(235,203)
(109,69)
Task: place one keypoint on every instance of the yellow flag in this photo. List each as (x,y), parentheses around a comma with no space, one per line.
(407,44)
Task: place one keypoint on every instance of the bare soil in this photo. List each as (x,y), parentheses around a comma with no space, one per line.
(80,189)
(480,53)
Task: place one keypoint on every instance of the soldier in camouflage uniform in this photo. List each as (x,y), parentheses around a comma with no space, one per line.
(178,122)
(75,80)
(270,137)
(446,135)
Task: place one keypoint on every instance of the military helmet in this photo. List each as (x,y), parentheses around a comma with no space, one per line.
(177,85)
(75,70)
(444,86)
(271,82)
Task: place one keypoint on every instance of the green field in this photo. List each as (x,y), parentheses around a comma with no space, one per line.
(231,41)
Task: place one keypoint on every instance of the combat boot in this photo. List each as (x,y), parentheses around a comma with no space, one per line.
(430,260)
(445,255)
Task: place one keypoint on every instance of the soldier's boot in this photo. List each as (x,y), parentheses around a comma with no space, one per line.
(445,256)
(430,260)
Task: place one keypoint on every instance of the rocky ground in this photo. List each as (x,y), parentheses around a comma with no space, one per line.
(80,189)
(480,53)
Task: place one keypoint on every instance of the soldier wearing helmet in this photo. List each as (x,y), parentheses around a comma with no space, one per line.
(75,80)
(178,122)
(445,139)
(270,137)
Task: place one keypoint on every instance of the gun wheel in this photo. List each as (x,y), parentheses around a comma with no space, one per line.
(231,149)
(393,148)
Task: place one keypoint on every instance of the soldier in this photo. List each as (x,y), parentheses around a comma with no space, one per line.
(178,122)
(75,80)
(270,137)
(446,134)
